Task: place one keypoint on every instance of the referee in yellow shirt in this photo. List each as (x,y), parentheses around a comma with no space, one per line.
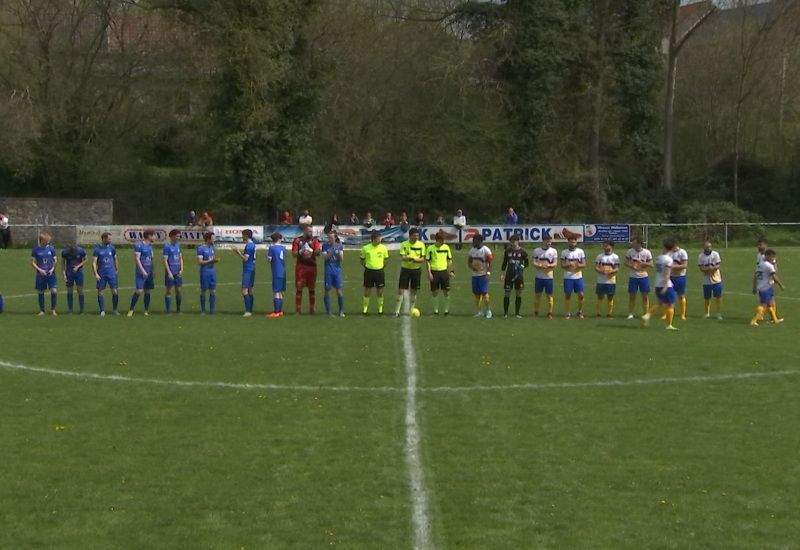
(373,258)
(412,254)
(440,270)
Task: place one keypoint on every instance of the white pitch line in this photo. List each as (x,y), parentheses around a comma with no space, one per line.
(419,495)
(390,389)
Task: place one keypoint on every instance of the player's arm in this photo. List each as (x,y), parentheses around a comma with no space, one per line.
(167,270)
(83,261)
(295,248)
(55,263)
(598,267)
(667,275)
(450,267)
(200,260)
(631,263)
(648,263)
(504,265)
(340,251)
(137,256)
(94,268)
(778,281)
(180,272)
(566,263)
(614,269)
(116,264)
(578,265)
(488,267)
(36,267)
(239,253)
(64,270)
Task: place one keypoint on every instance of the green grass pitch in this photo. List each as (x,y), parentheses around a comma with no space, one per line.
(223,432)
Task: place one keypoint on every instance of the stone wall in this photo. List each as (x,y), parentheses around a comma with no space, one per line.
(40,211)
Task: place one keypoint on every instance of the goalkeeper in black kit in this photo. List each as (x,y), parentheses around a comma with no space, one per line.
(515,260)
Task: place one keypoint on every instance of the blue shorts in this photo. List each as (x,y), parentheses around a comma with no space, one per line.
(573,285)
(333,280)
(766,295)
(638,285)
(145,283)
(279,284)
(543,284)
(668,297)
(110,280)
(208,280)
(679,282)
(715,289)
(606,289)
(175,281)
(248,279)
(480,285)
(75,278)
(45,281)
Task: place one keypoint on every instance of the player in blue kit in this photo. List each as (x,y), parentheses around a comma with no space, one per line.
(333,254)
(248,257)
(173,270)
(208,277)
(276,256)
(105,267)
(44,260)
(143,257)
(74,258)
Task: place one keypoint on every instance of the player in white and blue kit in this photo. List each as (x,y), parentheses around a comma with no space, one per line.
(479,261)
(573,261)
(105,267)
(767,276)
(333,254)
(607,266)
(173,270)
(208,277)
(680,261)
(276,256)
(248,257)
(72,269)
(638,259)
(665,290)
(44,260)
(145,282)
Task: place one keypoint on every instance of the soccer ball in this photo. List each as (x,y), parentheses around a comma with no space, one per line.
(414,312)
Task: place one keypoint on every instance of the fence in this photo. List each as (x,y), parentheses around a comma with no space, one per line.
(722,234)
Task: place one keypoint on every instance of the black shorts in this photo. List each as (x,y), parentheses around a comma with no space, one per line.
(410,278)
(374,278)
(517,284)
(441,279)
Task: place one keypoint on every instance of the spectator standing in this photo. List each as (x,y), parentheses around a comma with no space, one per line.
(191,218)
(403,222)
(439,220)
(368,221)
(354,219)
(332,225)
(511,218)
(285,218)
(420,218)
(205,220)
(5,231)
(388,220)
(459,222)
(305,219)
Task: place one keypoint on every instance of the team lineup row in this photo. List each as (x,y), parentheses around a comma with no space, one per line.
(670,274)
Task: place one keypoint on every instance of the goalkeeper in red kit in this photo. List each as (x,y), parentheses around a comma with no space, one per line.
(305,249)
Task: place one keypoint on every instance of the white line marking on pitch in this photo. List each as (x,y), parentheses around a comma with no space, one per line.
(419,495)
(390,389)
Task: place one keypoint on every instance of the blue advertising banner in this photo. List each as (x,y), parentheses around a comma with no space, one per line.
(601,232)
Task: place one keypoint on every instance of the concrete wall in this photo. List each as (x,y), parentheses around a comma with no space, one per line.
(40,211)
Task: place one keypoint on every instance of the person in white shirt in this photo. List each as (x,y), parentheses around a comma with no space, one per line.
(638,260)
(680,262)
(766,277)
(573,260)
(762,245)
(607,266)
(665,291)
(5,232)
(460,222)
(544,260)
(305,219)
(709,261)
